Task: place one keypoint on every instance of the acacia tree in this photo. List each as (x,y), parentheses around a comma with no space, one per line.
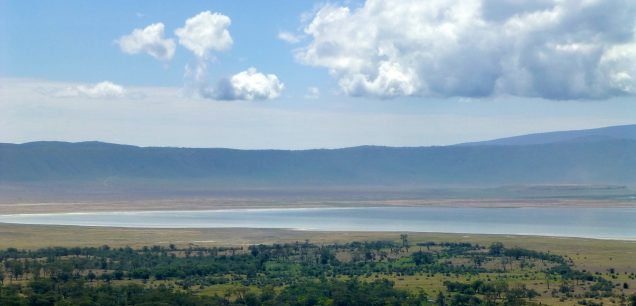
(496,249)
(440,300)
(405,241)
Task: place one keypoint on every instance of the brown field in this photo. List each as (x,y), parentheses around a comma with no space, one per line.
(591,254)
(32,207)
(594,255)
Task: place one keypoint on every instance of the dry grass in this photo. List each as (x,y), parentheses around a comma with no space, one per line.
(591,254)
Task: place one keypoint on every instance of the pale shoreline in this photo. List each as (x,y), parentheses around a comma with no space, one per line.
(312,231)
(49,219)
(237,203)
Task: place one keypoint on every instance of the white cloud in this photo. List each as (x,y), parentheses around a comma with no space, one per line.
(202,34)
(102,90)
(248,85)
(619,64)
(167,118)
(553,49)
(205,32)
(148,40)
(289,37)
(312,93)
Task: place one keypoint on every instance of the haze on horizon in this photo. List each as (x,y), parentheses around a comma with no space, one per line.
(310,74)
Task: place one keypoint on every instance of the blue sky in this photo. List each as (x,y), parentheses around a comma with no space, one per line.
(75,41)
(400,73)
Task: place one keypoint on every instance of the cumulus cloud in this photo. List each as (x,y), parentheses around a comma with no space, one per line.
(289,37)
(204,33)
(248,85)
(148,40)
(102,90)
(552,49)
(207,32)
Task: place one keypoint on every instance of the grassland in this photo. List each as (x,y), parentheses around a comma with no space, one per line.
(611,259)
(295,254)
(590,254)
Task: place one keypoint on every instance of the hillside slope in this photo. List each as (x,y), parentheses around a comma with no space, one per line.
(590,135)
(601,161)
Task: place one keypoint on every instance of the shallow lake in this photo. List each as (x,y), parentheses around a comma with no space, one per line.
(607,223)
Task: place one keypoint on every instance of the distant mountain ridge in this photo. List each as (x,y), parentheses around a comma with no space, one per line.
(593,161)
(605,133)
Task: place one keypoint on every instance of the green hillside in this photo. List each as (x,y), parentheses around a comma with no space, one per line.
(603,161)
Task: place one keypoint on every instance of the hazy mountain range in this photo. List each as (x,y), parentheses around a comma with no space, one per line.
(597,156)
(606,133)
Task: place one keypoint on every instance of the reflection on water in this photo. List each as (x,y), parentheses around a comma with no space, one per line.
(610,223)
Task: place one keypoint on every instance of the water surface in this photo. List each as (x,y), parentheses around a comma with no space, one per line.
(606,223)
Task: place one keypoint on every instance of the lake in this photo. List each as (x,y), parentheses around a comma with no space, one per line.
(606,223)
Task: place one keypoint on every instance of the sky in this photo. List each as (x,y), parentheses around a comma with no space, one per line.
(312,74)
